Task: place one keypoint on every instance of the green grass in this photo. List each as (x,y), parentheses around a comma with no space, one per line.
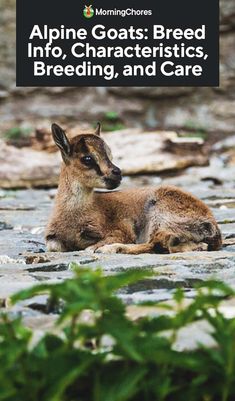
(17,133)
(111,121)
(195,130)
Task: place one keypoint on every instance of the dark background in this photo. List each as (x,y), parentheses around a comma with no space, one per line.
(171,14)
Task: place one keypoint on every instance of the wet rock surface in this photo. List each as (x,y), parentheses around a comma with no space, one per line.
(23,213)
(24,261)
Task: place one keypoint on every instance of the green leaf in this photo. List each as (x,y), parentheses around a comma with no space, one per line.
(120,385)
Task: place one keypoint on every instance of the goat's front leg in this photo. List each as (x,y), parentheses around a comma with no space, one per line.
(101,246)
(118,247)
(131,249)
(119,239)
(119,244)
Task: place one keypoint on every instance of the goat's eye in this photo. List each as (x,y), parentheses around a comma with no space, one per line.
(87,160)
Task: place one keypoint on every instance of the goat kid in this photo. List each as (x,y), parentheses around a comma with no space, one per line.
(163,219)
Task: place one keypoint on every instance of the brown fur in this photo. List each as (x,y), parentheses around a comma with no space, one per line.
(154,220)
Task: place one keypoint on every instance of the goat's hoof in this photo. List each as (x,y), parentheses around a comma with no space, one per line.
(112,248)
(55,246)
(91,249)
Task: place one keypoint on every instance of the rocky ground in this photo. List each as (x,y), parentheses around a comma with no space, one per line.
(25,262)
(23,213)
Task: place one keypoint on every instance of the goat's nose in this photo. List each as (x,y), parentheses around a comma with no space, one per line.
(116,171)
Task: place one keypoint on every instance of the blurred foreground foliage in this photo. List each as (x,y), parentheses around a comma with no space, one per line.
(108,357)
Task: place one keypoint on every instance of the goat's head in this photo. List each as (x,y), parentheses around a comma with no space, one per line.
(88,159)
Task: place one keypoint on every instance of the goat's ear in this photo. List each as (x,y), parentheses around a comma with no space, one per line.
(61,140)
(98,129)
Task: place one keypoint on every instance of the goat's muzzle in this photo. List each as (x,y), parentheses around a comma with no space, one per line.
(114,179)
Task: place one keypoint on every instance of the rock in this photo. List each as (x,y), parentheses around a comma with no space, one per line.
(223,110)
(31,168)
(27,168)
(228,242)
(15,242)
(189,337)
(25,262)
(228,230)
(45,323)
(227,150)
(213,116)
(7,44)
(151,92)
(160,152)
(5,226)
(32,259)
(172,271)
(224,144)
(224,216)
(227,14)
(4,259)
(217,171)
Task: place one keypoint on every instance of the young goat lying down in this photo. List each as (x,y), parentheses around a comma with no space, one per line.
(150,220)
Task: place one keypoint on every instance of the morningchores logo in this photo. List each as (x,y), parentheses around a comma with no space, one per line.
(128,12)
(88,11)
